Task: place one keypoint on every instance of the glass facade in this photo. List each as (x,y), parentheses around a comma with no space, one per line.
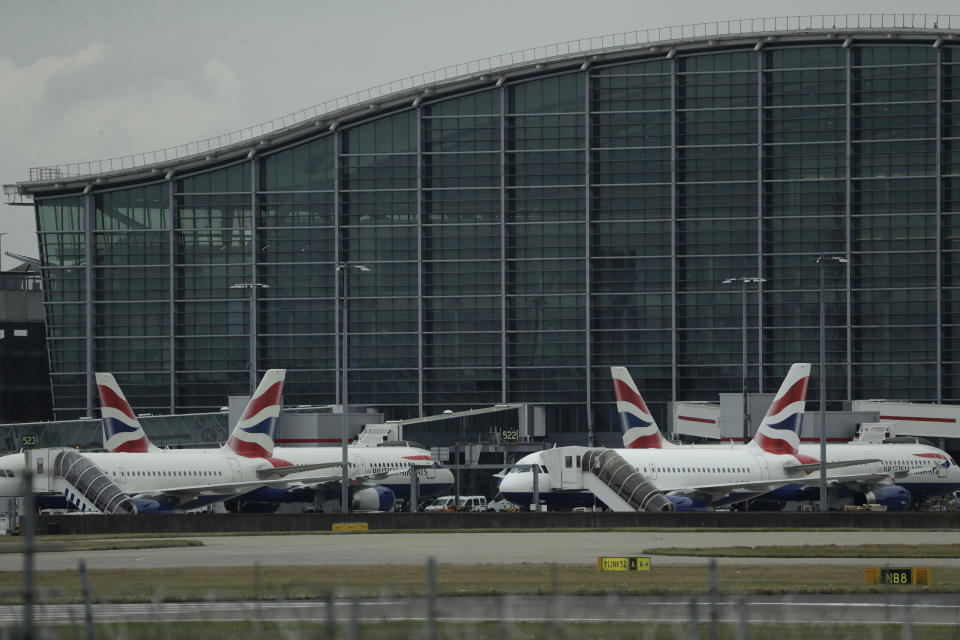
(522,238)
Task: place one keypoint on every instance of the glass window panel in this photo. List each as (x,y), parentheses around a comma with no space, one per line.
(630,275)
(631,239)
(539,349)
(630,202)
(538,168)
(626,129)
(461,205)
(804,124)
(716,236)
(630,311)
(450,242)
(462,134)
(137,209)
(721,126)
(306,167)
(391,134)
(480,349)
(545,313)
(455,170)
(545,240)
(789,57)
(461,313)
(704,164)
(378,172)
(61,214)
(63,249)
(804,161)
(716,90)
(556,131)
(625,166)
(907,195)
(894,233)
(556,94)
(805,87)
(807,198)
(481,102)
(466,278)
(717,200)
(545,276)
(893,159)
(543,205)
(791,235)
(894,84)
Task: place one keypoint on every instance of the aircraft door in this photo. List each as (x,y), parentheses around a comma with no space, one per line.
(763,467)
(122,476)
(234,468)
(358,467)
(570,472)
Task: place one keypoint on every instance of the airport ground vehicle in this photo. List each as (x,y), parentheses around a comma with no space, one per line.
(472,503)
(441,504)
(499,503)
(465,503)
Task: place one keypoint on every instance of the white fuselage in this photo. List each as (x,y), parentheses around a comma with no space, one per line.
(171,469)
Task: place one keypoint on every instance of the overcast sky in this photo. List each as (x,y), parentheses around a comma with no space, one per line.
(92,80)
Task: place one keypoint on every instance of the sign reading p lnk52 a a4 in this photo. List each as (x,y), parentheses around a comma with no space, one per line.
(606,563)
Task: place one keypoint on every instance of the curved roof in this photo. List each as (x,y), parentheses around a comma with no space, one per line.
(492,71)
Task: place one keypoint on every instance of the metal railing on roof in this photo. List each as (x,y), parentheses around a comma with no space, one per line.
(662,36)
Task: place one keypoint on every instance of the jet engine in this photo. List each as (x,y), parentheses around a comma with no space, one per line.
(147,505)
(372,499)
(895,498)
(683,503)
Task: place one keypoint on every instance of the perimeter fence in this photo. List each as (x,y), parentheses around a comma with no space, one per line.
(559,602)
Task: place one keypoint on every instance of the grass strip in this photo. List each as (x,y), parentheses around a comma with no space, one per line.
(44,546)
(401,630)
(387,580)
(879,551)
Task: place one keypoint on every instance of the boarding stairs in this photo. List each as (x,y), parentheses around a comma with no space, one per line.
(605,474)
(618,483)
(87,486)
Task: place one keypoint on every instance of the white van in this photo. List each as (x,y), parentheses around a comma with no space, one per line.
(472,503)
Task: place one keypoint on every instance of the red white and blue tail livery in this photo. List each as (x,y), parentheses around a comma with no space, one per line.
(639,429)
(254,435)
(122,432)
(780,430)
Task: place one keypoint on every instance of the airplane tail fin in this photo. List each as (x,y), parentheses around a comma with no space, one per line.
(639,429)
(254,435)
(122,431)
(780,430)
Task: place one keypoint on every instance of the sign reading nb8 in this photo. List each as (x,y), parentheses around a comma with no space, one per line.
(900,576)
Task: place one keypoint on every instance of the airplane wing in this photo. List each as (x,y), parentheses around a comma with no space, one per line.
(298,468)
(716,492)
(815,466)
(180,495)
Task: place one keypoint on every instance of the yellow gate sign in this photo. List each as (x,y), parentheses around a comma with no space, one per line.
(607,563)
(350,526)
(907,575)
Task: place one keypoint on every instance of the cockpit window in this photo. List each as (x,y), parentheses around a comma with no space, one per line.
(522,468)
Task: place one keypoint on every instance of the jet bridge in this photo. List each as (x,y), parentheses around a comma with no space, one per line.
(605,474)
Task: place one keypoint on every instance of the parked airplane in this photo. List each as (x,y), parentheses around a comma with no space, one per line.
(695,479)
(902,471)
(154,481)
(378,474)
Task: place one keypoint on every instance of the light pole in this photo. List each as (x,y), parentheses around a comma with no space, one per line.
(344,268)
(745,280)
(252,287)
(821,260)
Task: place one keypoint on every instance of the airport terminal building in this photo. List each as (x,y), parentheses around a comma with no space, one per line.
(508,229)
